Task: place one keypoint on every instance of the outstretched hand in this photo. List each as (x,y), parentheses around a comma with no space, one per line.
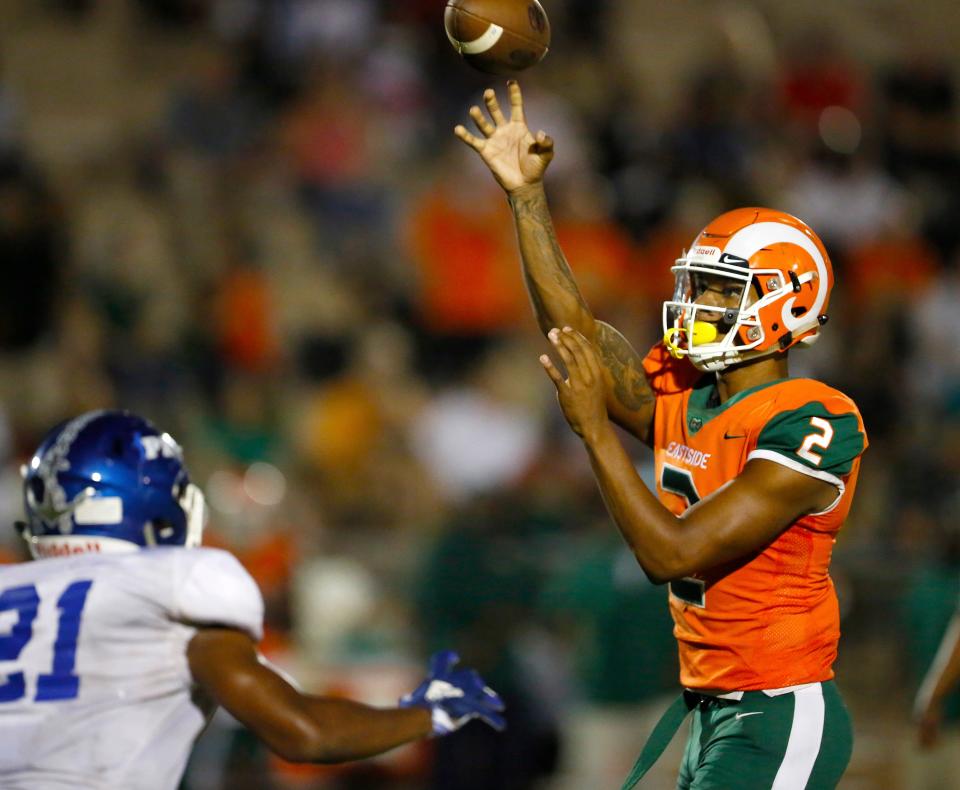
(454,697)
(514,155)
(582,394)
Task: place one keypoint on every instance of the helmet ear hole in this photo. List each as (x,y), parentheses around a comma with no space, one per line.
(163,530)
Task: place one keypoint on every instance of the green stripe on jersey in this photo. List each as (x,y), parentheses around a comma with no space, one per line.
(815,437)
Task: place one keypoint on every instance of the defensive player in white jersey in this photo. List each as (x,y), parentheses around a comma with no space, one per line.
(116,646)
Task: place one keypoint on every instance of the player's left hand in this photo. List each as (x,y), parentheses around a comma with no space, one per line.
(454,697)
(582,394)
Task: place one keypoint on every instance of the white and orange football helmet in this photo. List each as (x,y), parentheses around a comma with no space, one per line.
(786,279)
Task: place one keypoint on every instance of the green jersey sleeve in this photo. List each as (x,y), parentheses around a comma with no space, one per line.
(814,437)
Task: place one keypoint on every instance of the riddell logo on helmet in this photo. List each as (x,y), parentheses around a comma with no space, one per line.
(700,253)
(47,549)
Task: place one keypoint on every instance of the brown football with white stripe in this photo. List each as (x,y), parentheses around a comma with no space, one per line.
(498,36)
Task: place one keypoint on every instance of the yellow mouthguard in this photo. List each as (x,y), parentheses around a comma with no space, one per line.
(703,332)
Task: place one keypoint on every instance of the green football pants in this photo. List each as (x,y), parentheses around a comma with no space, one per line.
(799,740)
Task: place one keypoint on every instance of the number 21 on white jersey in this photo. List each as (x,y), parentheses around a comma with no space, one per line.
(21,605)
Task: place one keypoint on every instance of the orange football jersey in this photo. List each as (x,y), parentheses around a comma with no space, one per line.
(771,619)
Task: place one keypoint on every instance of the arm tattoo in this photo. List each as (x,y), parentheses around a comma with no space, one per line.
(533,216)
(630,385)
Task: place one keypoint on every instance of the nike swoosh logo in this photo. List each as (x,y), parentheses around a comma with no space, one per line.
(734,436)
(751,713)
(726,257)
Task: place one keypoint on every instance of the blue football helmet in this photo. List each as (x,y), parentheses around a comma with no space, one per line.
(109,481)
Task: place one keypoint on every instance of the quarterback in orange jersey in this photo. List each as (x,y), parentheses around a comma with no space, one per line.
(755,470)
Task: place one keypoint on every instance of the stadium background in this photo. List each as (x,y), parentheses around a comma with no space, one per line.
(250,221)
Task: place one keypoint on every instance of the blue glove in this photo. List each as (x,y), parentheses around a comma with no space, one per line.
(455,697)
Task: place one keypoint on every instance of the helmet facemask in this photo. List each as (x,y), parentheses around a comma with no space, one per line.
(714,316)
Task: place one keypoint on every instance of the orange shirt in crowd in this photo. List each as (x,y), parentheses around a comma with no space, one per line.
(889,269)
(467,266)
(245,320)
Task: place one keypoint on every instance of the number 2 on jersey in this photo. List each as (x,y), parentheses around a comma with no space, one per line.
(820,438)
(61,683)
(679,482)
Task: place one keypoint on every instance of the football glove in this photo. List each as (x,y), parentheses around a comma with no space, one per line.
(454,697)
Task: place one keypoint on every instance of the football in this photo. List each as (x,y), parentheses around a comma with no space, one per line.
(498,36)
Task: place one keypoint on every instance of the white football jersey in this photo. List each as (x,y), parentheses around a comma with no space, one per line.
(95,689)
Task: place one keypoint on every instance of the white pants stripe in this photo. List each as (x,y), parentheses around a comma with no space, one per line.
(806,733)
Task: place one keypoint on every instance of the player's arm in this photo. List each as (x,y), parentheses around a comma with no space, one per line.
(736,520)
(518,160)
(224,662)
(941,679)
(557,302)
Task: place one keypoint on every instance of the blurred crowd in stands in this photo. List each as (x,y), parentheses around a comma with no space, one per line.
(250,221)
